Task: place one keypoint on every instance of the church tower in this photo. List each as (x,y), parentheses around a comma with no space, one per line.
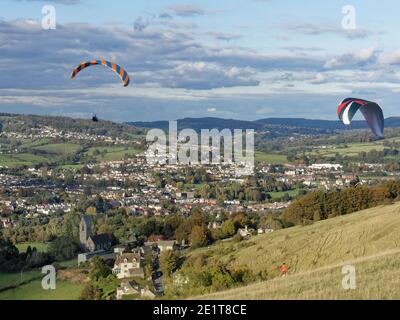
(85,231)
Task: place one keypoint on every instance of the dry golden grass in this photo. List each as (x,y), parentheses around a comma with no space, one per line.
(315,254)
(72,275)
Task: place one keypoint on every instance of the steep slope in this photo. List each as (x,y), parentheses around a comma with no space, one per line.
(369,240)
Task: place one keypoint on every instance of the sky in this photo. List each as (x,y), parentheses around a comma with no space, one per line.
(240,59)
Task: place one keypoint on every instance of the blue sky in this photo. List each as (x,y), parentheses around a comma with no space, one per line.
(239,59)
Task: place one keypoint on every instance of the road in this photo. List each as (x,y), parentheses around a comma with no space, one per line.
(157,277)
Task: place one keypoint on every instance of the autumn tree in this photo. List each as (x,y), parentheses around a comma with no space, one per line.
(169,262)
(199,236)
(228,229)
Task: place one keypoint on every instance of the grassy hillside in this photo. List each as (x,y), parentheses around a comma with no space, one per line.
(111,153)
(351,149)
(34,291)
(315,254)
(270,158)
(378,277)
(14,279)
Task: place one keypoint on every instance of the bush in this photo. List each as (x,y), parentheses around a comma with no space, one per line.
(99,269)
(90,292)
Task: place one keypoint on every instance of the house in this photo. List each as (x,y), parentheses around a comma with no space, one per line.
(170,245)
(215,225)
(89,241)
(163,245)
(246,232)
(127,288)
(326,166)
(7,223)
(185,195)
(128,265)
(264,230)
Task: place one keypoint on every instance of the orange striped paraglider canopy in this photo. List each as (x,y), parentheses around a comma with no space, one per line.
(123,75)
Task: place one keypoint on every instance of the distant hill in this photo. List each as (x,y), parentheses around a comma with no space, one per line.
(21,122)
(203,123)
(262,124)
(315,255)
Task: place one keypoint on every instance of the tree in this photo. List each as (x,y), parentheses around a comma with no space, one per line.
(171,224)
(99,269)
(91,292)
(149,263)
(63,248)
(271,222)
(181,233)
(197,218)
(239,220)
(107,286)
(228,229)
(91,211)
(199,236)
(9,257)
(169,262)
(204,191)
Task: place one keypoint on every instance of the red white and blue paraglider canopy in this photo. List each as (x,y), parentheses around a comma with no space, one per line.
(371,111)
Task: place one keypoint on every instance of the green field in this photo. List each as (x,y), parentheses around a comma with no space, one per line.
(72,167)
(279,194)
(28,143)
(111,153)
(34,291)
(270,158)
(60,148)
(12,279)
(28,283)
(41,247)
(350,150)
(50,152)
(315,254)
(20,159)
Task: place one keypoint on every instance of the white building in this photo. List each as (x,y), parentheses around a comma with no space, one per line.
(326,166)
(128,265)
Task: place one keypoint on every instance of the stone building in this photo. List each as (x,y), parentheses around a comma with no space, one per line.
(89,241)
(128,265)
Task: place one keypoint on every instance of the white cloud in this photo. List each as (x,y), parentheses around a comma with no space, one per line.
(390,58)
(358,58)
(315,29)
(185,10)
